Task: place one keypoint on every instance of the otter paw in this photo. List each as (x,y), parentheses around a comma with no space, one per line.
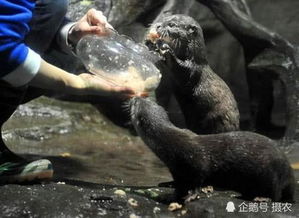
(168,54)
(192,195)
(165,48)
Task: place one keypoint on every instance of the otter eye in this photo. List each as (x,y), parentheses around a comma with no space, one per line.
(192,30)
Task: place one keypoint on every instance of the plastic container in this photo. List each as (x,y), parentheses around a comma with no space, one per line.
(120,60)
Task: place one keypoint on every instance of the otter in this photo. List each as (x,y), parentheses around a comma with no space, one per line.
(246,162)
(207,103)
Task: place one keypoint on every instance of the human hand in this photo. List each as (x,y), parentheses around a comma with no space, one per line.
(53,78)
(95,85)
(93,22)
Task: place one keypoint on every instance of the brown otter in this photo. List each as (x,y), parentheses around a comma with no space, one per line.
(242,161)
(206,101)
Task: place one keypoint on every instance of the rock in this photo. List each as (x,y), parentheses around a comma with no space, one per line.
(174,206)
(120,192)
(125,12)
(156,210)
(216,207)
(77,8)
(53,200)
(133,202)
(269,57)
(223,48)
(77,199)
(174,7)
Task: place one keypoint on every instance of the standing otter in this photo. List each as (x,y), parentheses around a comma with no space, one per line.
(206,101)
(242,161)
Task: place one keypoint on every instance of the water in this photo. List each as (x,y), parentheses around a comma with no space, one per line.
(82,144)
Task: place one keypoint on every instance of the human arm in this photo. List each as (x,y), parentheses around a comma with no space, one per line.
(53,78)
(20,65)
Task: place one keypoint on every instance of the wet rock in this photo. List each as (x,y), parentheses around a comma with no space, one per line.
(39,110)
(77,8)
(40,121)
(54,200)
(39,133)
(75,199)
(125,12)
(174,7)
(216,207)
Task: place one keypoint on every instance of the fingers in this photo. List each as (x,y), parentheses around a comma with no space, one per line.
(130,94)
(96,30)
(96,85)
(93,22)
(123,92)
(97,18)
(120,92)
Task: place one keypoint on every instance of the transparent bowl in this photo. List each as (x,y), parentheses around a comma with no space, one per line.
(120,60)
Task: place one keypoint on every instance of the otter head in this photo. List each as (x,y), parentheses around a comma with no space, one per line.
(146,115)
(179,33)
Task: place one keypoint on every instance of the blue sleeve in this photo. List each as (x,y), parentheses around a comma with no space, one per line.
(15,16)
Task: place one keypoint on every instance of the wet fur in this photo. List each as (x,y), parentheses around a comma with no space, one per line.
(242,161)
(206,101)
